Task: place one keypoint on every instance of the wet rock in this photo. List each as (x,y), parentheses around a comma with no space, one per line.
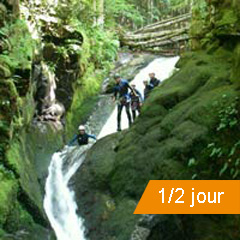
(55,110)
(58,34)
(140,233)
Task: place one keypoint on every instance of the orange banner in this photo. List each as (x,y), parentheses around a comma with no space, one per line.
(190,197)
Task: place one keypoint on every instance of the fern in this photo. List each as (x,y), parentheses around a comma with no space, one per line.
(19,53)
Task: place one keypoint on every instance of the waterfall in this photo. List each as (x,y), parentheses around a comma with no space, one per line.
(163,67)
(59,202)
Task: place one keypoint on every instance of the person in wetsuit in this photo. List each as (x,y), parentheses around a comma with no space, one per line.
(82,137)
(136,101)
(121,92)
(154,82)
(148,88)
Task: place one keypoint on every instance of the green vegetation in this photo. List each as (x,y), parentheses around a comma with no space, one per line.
(189,126)
(97,59)
(188,129)
(179,121)
(227,154)
(178,115)
(8,193)
(18,46)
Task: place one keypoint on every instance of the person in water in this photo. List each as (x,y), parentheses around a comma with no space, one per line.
(82,137)
(121,92)
(148,88)
(154,82)
(136,101)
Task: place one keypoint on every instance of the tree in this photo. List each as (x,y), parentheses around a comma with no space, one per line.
(98,8)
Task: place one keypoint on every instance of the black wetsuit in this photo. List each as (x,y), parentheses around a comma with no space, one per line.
(136,99)
(121,89)
(147,91)
(154,82)
(82,139)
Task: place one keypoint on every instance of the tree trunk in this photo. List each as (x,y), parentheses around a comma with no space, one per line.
(98,8)
(168,39)
(146,36)
(16,7)
(95,12)
(164,23)
(100,20)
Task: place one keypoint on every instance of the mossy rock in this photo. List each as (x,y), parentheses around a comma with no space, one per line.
(8,194)
(5,72)
(95,176)
(235,76)
(3,13)
(18,160)
(177,123)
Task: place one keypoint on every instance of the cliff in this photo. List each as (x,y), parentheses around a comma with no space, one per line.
(49,78)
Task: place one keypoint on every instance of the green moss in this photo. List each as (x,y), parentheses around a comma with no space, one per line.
(84,98)
(235,76)
(29,156)
(41,144)
(228,17)
(2,232)
(18,220)
(177,123)
(19,53)
(12,157)
(118,229)
(19,160)
(97,53)
(8,194)
(81,108)
(188,99)
(27,108)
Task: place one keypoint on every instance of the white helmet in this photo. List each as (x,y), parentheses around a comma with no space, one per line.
(81,128)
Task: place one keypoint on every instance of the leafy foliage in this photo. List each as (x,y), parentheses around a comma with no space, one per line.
(18,54)
(123,12)
(228,116)
(104,47)
(227,154)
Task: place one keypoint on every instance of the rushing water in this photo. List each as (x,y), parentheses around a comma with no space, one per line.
(59,202)
(163,67)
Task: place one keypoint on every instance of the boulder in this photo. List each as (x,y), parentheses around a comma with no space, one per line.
(177,123)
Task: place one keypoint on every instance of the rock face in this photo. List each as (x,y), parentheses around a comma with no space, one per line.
(21,195)
(56,64)
(188,129)
(43,78)
(21,210)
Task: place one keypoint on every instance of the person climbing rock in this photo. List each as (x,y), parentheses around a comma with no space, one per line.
(136,101)
(154,82)
(82,137)
(148,88)
(121,94)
